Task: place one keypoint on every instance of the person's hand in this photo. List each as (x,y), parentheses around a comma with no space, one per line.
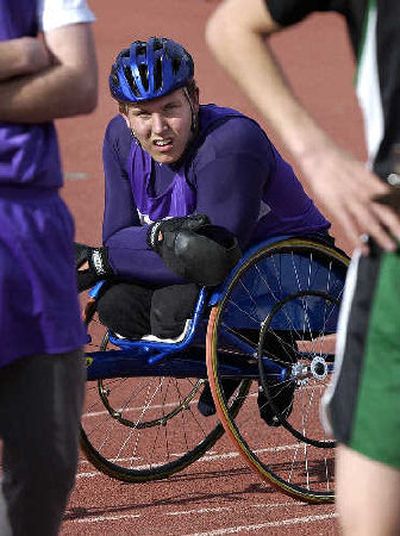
(156,231)
(23,56)
(347,190)
(194,249)
(92,265)
(35,53)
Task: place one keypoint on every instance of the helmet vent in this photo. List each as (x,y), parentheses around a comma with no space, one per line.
(131,81)
(158,81)
(144,75)
(141,50)
(158,44)
(114,75)
(176,63)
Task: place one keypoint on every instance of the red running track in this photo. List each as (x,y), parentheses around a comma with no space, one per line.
(218,494)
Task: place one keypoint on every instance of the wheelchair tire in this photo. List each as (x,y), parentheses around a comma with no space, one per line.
(139,429)
(292,451)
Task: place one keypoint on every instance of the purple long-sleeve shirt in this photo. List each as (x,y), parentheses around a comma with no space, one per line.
(231,172)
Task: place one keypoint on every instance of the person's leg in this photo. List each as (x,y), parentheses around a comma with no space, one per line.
(171,306)
(281,347)
(363,405)
(40,408)
(125,309)
(368,495)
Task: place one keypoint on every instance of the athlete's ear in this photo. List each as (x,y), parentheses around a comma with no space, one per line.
(193,94)
(123,110)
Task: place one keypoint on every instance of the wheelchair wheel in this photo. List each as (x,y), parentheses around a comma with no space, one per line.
(281,307)
(137,429)
(307,358)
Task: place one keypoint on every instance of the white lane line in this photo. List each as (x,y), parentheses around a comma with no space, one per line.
(125,411)
(250,528)
(218,532)
(203,459)
(98,519)
(90,414)
(100,413)
(75,175)
(256,451)
(197,511)
(90,474)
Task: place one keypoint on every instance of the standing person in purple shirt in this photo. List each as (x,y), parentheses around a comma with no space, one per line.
(47,71)
(168,160)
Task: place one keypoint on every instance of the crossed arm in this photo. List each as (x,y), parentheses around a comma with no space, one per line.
(49,78)
(339,182)
(22,56)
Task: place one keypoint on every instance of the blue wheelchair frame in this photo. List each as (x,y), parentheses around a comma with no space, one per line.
(186,358)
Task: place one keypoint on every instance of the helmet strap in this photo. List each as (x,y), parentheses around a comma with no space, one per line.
(195,122)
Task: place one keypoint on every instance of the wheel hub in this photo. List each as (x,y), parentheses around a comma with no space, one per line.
(319,368)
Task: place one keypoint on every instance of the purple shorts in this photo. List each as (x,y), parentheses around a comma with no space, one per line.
(39,307)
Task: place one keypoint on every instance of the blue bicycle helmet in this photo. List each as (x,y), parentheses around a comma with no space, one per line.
(150,69)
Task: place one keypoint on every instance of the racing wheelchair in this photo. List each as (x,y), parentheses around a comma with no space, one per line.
(268,332)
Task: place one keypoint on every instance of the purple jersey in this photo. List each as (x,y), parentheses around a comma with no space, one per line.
(39,309)
(231,172)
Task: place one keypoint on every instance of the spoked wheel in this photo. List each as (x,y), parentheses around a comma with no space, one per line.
(281,306)
(143,428)
(305,359)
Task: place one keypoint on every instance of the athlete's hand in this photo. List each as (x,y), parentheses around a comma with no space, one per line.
(92,265)
(157,230)
(347,190)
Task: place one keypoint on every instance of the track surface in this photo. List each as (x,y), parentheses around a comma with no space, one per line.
(218,494)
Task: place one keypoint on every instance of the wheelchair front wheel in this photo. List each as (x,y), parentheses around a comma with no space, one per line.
(139,429)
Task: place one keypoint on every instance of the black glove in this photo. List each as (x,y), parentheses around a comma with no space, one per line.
(99,267)
(201,253)
(82,253)
(157,230)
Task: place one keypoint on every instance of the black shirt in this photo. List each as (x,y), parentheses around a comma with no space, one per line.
(357,14)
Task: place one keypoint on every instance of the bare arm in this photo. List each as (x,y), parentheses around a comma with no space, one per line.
(340,183)
(65,88)
(22,56)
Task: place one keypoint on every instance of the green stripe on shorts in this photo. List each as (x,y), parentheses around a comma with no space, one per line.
(376,430)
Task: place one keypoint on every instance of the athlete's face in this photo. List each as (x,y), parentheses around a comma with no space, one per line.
(163,126)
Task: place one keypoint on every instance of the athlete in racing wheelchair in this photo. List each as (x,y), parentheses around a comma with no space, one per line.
(188,186)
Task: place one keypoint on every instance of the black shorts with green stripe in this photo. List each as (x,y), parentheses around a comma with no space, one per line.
(362,405)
